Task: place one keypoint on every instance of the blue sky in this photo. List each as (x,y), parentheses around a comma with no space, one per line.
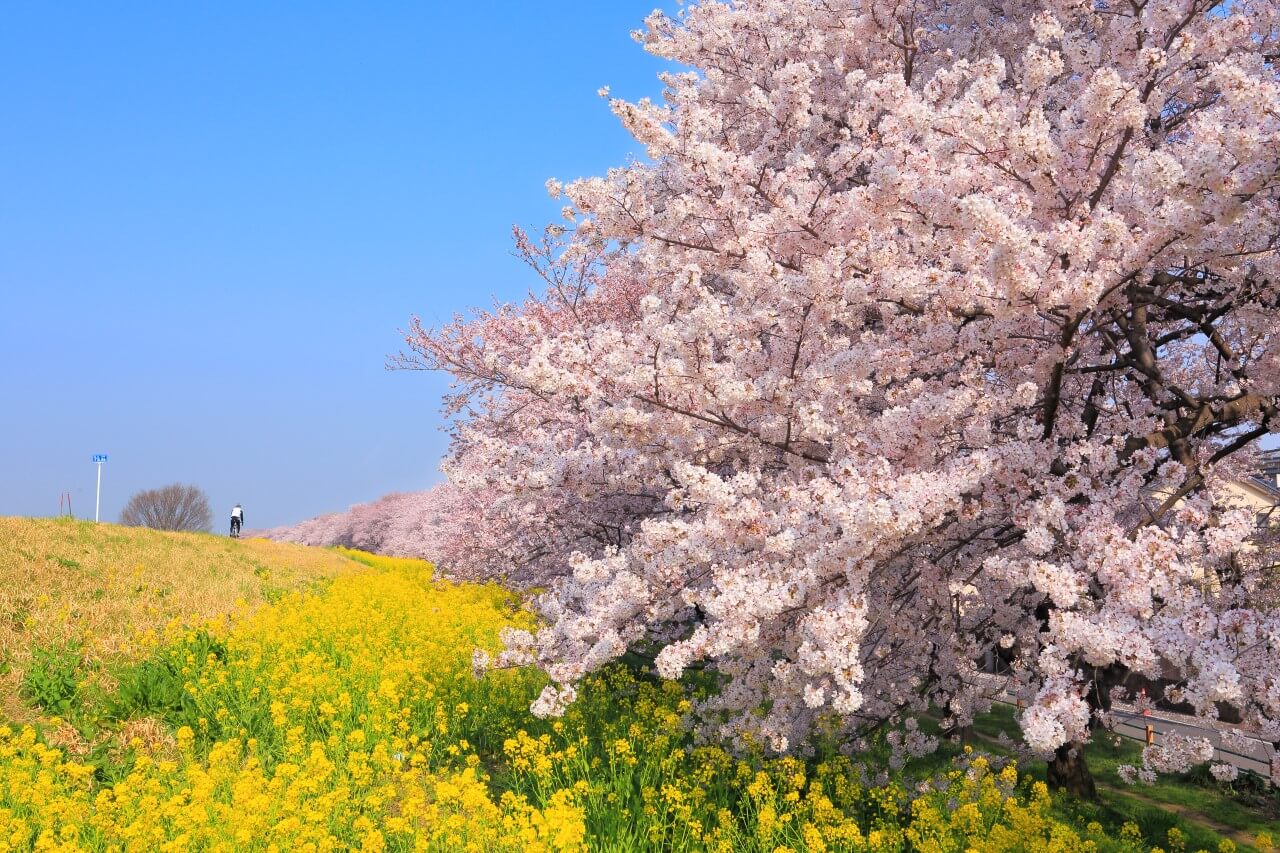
(214,219)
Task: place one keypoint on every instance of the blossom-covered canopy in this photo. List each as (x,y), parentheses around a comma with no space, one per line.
(926,332)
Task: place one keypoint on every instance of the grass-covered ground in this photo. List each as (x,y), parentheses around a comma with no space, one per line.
(285,698)
(1203,811)
(98,594)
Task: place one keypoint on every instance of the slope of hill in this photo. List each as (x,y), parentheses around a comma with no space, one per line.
(102,592)
(231,714)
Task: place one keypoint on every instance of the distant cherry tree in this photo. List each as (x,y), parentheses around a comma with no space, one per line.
(173,507)
(926,332)
(380,526)
(444,524)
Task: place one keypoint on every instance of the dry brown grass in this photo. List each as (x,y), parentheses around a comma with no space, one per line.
(106,587)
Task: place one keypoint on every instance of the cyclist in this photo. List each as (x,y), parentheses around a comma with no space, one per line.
(237,520)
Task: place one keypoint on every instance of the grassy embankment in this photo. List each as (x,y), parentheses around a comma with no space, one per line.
(1203,810)
(189,692)
(96,595)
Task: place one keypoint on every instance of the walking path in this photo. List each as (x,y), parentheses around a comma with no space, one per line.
(1239,836)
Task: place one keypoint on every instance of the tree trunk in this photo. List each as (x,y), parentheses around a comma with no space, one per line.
(1068,772)
(964,733)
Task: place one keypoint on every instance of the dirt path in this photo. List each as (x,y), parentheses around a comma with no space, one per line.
(1239,836)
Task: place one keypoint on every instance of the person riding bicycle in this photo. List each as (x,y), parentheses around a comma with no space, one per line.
(237,520)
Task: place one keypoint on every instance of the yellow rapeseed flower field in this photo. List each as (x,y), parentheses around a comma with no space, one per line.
(107,590)
(344,715)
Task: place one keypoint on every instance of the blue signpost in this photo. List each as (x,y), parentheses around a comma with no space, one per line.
(98,459)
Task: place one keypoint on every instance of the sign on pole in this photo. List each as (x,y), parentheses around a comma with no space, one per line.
(98,459)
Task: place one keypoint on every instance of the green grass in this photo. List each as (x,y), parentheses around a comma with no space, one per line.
(1194,803)
(126,701)
(52,679)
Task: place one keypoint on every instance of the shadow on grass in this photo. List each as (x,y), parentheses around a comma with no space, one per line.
(1199,810)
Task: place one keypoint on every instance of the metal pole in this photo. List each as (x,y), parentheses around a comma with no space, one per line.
(98,500)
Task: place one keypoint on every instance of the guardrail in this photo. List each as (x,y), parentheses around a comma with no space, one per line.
(1148,728)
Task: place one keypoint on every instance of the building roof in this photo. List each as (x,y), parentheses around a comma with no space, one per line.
(1267,477)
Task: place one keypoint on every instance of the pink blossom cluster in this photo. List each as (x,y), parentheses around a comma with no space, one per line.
(927,334)
(1177,753)
(1224,772)
(401,524)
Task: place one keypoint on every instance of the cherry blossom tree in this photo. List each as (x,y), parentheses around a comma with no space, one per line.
(450,526)
(322,531)
(925,331)
(405,524)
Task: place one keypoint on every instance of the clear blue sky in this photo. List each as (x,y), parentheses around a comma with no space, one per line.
(214,218)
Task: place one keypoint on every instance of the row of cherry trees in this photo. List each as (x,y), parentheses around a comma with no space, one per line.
(401,524)
(446,524)
(926,331)
(410,524)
